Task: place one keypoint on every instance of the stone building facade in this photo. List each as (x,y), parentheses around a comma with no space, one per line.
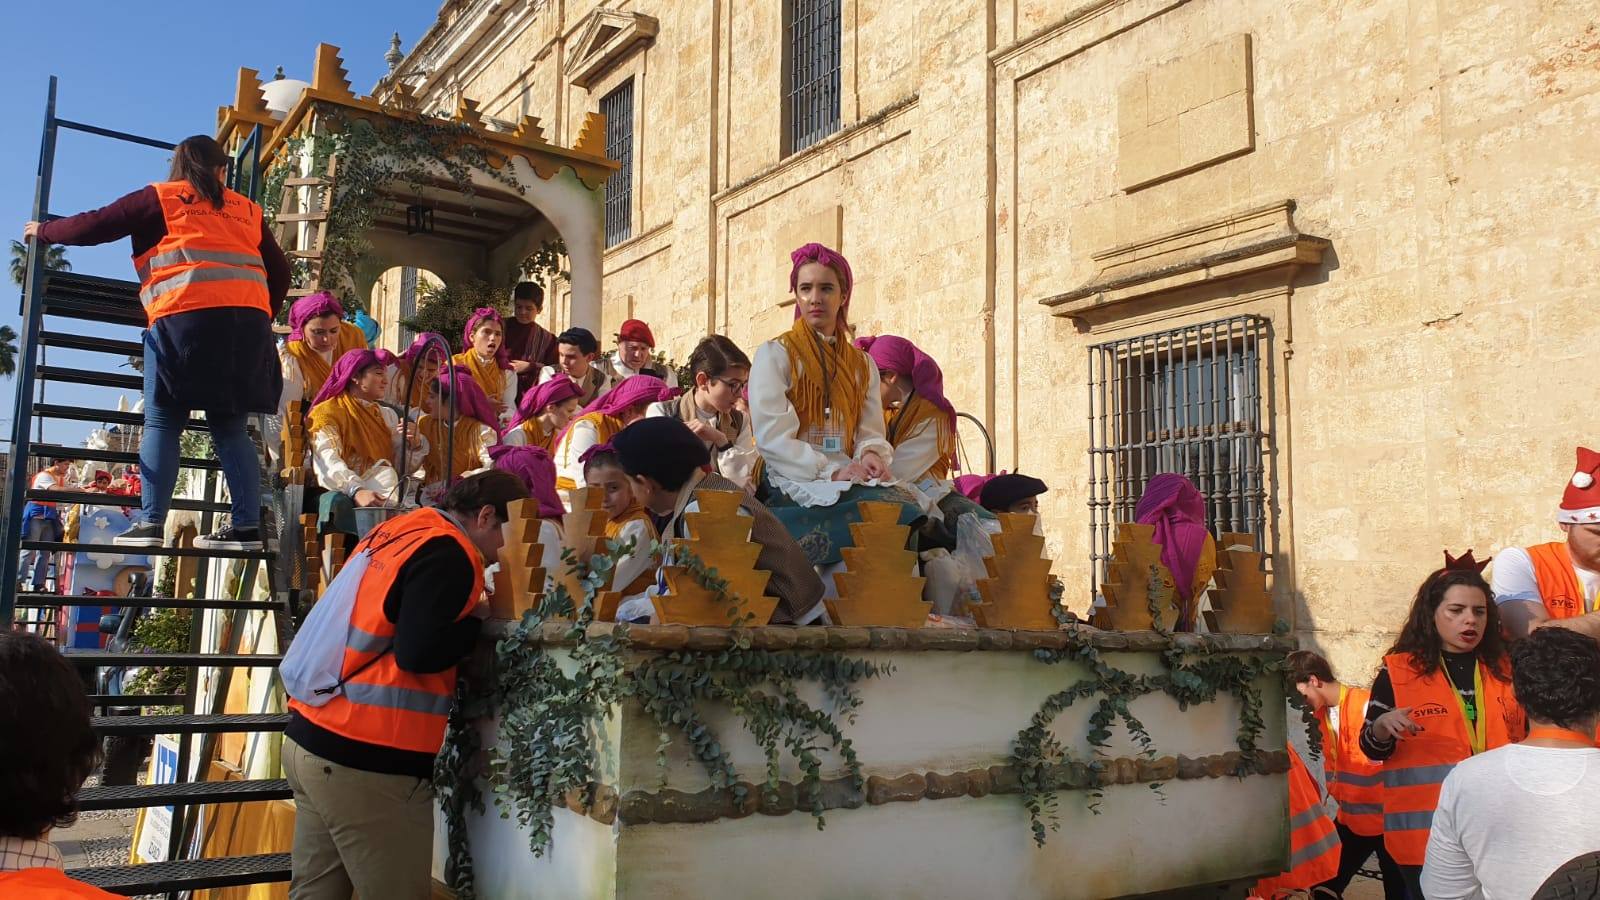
(1328,256)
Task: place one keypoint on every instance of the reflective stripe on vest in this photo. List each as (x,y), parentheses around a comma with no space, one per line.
(1355,781)
(380,703)
(209,257)
(1413,775)
(1313,840)
(1306,854)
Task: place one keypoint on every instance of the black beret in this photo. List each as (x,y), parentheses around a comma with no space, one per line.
(660,447)
(1005,491)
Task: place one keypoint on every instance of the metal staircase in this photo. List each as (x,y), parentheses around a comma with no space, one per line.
(51,301)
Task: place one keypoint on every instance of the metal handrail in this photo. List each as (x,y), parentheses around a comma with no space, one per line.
(988,442)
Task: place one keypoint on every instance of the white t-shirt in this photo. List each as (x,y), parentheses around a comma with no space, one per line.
(1513,579)
(1510,817)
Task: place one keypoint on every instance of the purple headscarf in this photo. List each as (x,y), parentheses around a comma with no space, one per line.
(418,344)
(898,355)
(312,306)
(534,401)
(632,391)
(971,486)
(502,356)
(470,398)
(1173,505)
(596,450)
(829,257)
(347,368)
(537,470)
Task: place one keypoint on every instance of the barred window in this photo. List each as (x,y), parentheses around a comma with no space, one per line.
(1190,401)
(617,107)
(811,72)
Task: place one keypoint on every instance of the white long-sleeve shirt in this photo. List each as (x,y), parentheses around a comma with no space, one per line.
(1509,818)
(334,474)
(801,470)
(569,451)
(737,462)
(917,453)
(294,381)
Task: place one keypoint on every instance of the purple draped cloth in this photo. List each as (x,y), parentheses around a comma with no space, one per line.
(1177,510)
(537,470)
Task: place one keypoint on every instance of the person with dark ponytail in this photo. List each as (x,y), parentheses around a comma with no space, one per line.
(1443,696)
(212,279)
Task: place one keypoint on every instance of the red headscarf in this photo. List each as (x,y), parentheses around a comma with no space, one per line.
(534,466)
(1178,511)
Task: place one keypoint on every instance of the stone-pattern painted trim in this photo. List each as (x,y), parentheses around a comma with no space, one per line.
(668,806)
(787,637)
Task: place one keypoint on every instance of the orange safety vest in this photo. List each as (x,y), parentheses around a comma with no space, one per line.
(209,258)
(381,703)
(1558,582)
(1353,779)
(1313,841)
(1413,775)
(48,884)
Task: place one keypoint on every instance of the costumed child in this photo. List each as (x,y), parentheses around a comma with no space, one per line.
(817,414)
(601,420)
(1443,695)
(318,336)
(474,431)
(720,371)
(625,520)
(486,358)
(543,413)
(404,392)
(356,441)
(533,466)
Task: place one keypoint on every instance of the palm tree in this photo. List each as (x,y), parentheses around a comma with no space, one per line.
(55,257)
(8,351)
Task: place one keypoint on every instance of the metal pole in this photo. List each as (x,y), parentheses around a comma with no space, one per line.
(32,316)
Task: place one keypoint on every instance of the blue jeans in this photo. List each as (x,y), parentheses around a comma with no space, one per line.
(35,564)
(158,454)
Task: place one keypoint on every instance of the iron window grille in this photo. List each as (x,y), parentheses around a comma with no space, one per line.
(1189,400)
(617,107)
(408,294)
(811,68)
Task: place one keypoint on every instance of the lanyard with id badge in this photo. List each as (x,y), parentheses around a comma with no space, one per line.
(827,437)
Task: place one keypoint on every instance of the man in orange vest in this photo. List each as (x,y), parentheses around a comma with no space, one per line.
(1313,840)
(1352,779)
(1558,581)
(48,749)
(361,765)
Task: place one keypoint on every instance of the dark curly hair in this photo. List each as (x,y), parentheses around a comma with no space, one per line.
(1555,674)
(46,746)
(1420,639)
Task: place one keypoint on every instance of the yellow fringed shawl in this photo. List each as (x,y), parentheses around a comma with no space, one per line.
(488,375)
(901,424)
(848,376)
(364,436)
(466,455)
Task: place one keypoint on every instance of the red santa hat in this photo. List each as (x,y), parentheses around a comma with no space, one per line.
(635,330)
(1580,505)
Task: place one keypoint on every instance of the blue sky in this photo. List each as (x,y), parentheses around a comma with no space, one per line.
(158,68)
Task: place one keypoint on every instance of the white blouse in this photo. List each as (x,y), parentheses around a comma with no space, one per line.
(737,463)
(801,470)
(569,450)
(917,453)
(334,474)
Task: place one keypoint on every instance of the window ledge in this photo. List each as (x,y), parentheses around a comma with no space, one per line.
(1252,241)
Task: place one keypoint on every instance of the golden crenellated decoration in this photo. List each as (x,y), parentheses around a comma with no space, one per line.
(332,559)
(582,531)
(720,537)
(467,113)
(1017,592)
(311,553)
(247,97)
(1135,559)
(592,136)
(529,129)
(878,586)
(519,583)
(328,76)
(1240,601)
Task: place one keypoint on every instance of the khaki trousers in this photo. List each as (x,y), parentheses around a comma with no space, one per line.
(358,831)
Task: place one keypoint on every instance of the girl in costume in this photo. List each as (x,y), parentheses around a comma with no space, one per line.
(533,466)
(544,411)
(474,431)
(1177,509)
(318,335)
(625,520)
(356,440)
(486,358)
(409,395)
(720,371)
(1443,694)
(817,413)
(601,420)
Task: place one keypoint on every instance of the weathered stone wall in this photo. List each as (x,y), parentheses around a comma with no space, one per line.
(1423,387)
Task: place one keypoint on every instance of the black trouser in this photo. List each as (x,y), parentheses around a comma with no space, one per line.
(1354,850)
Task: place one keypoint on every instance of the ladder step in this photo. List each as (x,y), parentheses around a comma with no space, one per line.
(321,216)
(135,701)
(77,546)
(49,601)
(68,341)
(104,416)
(61,375)
(186,874)
(306,181)
(61,283)
(163,658)
(192,793)
(304,254)
(112,456)
(197,724)
(129,500)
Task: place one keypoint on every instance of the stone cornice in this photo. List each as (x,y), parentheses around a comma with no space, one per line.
(602,803)
(788,637)
(630,32)
(1247,242)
